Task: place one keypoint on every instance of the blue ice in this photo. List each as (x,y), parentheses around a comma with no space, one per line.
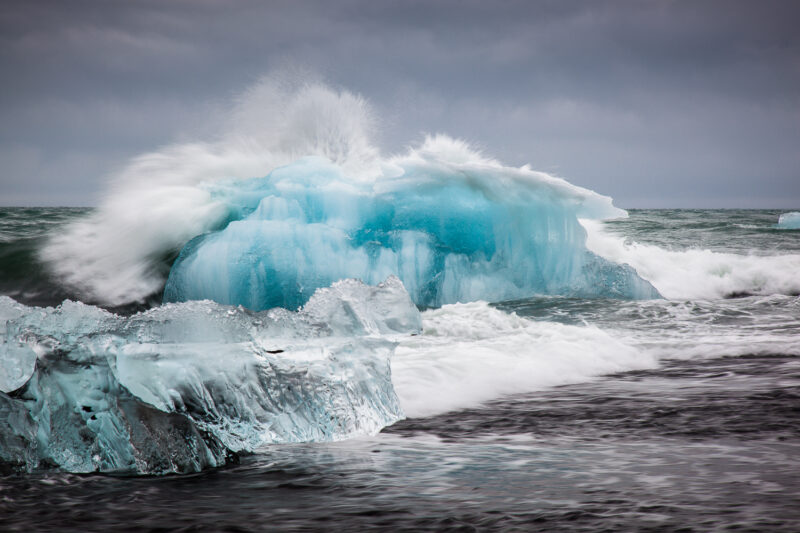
(789,220)
(450,232)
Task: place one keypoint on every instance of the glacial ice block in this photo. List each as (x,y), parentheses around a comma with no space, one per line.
(453,229)
(187,386)
(789,220)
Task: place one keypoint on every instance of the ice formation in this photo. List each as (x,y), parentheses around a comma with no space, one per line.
(453,226)
(186,386)
(789,220)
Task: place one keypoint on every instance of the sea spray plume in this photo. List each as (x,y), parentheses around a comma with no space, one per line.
(291,119)
(159,201)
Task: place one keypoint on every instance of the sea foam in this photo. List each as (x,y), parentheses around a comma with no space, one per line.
(470,353)
(698,273)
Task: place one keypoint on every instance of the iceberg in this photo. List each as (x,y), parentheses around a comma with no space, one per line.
(188,386)
(453,226)
(789,220)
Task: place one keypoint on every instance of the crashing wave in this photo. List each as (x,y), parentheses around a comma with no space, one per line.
(698,273)
(294,197)
(121,252)
(188,386)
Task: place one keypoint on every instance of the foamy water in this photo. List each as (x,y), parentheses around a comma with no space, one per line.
(699,273)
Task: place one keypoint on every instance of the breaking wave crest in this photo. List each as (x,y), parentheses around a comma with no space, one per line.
(471,353)
(699,273)
(158,202)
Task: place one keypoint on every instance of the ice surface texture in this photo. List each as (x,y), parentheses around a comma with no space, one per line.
(453,226)
(187,386)
(789,220)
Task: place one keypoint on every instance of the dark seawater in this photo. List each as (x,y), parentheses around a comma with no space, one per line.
(721,230)
(694,446)
(23,276)
(707,441)
(23,231)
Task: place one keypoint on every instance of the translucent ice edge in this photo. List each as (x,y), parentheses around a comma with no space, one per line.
(188,386)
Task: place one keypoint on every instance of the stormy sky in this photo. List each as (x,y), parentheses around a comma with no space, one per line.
(655,103)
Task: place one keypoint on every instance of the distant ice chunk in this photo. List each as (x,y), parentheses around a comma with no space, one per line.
(789,220)
(187,386)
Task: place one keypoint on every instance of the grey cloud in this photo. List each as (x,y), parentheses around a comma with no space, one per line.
(657,103)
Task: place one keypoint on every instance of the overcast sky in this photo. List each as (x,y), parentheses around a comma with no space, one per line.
(655,103)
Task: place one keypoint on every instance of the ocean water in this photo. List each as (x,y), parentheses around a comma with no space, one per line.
(548,413)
